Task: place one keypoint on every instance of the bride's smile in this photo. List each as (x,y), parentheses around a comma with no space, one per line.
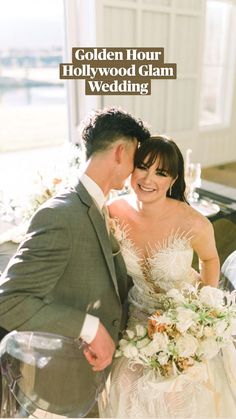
(151,180)
(145,188)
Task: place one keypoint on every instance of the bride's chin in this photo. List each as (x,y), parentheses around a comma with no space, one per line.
(147,194)
(145,198)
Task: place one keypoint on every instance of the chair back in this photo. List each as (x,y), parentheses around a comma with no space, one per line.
(42,373)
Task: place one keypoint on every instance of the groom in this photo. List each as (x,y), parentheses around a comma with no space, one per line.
(66,276)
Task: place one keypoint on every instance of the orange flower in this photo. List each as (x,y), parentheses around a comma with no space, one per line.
(185,363)
(154,327)
(56,180)
(213,313)
(161,327)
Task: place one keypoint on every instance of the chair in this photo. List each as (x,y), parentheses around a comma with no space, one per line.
(46,375)
(229,271)
(225,236)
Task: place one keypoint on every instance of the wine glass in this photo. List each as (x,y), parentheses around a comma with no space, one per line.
(45,375)
(193,181)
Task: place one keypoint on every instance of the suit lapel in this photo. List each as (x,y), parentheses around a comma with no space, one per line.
(101,230)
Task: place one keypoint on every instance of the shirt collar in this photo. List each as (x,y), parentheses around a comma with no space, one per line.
(94,190)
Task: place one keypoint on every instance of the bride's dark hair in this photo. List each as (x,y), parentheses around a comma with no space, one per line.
(171,160)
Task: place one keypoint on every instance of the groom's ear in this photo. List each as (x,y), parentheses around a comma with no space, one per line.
(118,152)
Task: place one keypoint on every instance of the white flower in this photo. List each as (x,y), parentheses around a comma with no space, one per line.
(163,358)
(163,319)
(211,296)
(220,327)
(208,348)
(143,342)
(185,319)
(141,331)
(176,295)
(159,343)
(208,331)
(130,334)
(187,287)
(118,353)
(130,351)
(186,345)
(123,343)
(149,349)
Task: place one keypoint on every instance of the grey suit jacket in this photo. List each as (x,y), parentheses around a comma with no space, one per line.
(64,269)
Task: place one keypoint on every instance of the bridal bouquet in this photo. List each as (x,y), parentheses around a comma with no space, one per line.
(192,326)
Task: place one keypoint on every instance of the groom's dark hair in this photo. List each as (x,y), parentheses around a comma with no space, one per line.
(104,127)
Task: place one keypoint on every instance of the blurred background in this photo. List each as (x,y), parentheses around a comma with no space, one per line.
(40,114)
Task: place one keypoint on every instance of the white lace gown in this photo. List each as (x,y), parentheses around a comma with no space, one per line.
(139,392)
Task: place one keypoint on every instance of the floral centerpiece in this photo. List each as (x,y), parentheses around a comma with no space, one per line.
(19,209)
(42,192)
(192,327)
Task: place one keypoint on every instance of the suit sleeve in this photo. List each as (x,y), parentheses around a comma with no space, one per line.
(26,286)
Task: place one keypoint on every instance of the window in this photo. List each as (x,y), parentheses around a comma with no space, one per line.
(33,108)
(33,102)
(217,75)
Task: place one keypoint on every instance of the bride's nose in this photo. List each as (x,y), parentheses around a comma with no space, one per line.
(147,175)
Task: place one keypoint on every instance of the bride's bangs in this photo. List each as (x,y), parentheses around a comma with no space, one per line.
(168,162)
(145,154)
(155,149)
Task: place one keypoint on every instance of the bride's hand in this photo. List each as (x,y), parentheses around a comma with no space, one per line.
(100,351)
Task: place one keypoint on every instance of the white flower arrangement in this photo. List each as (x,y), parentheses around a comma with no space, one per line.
(43,190)
(19,210)
(191,328)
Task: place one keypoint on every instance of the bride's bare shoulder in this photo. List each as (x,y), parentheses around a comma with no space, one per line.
(194,218)
(119,207)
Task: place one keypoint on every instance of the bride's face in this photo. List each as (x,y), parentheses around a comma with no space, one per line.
(150,183)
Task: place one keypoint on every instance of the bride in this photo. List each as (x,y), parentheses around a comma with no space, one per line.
(158,232)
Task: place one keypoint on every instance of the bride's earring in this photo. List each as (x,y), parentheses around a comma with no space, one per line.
(170,190)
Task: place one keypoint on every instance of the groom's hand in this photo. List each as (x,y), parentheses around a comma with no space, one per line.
(100,351)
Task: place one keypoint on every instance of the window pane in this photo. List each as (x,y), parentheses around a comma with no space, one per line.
(213,80)
(215,71)
(33,109)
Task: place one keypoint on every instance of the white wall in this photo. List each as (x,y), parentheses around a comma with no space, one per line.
(173,107)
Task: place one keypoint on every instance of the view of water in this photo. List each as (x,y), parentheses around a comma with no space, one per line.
(33,100)
(45,95)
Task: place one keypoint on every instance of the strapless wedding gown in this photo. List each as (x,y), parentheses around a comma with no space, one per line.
(139,392)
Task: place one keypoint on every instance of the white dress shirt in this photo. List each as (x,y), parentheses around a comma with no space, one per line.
(91,323)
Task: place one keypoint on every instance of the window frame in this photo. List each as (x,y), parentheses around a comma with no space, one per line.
(228,79)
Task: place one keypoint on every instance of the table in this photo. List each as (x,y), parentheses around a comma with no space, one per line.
(221,195)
